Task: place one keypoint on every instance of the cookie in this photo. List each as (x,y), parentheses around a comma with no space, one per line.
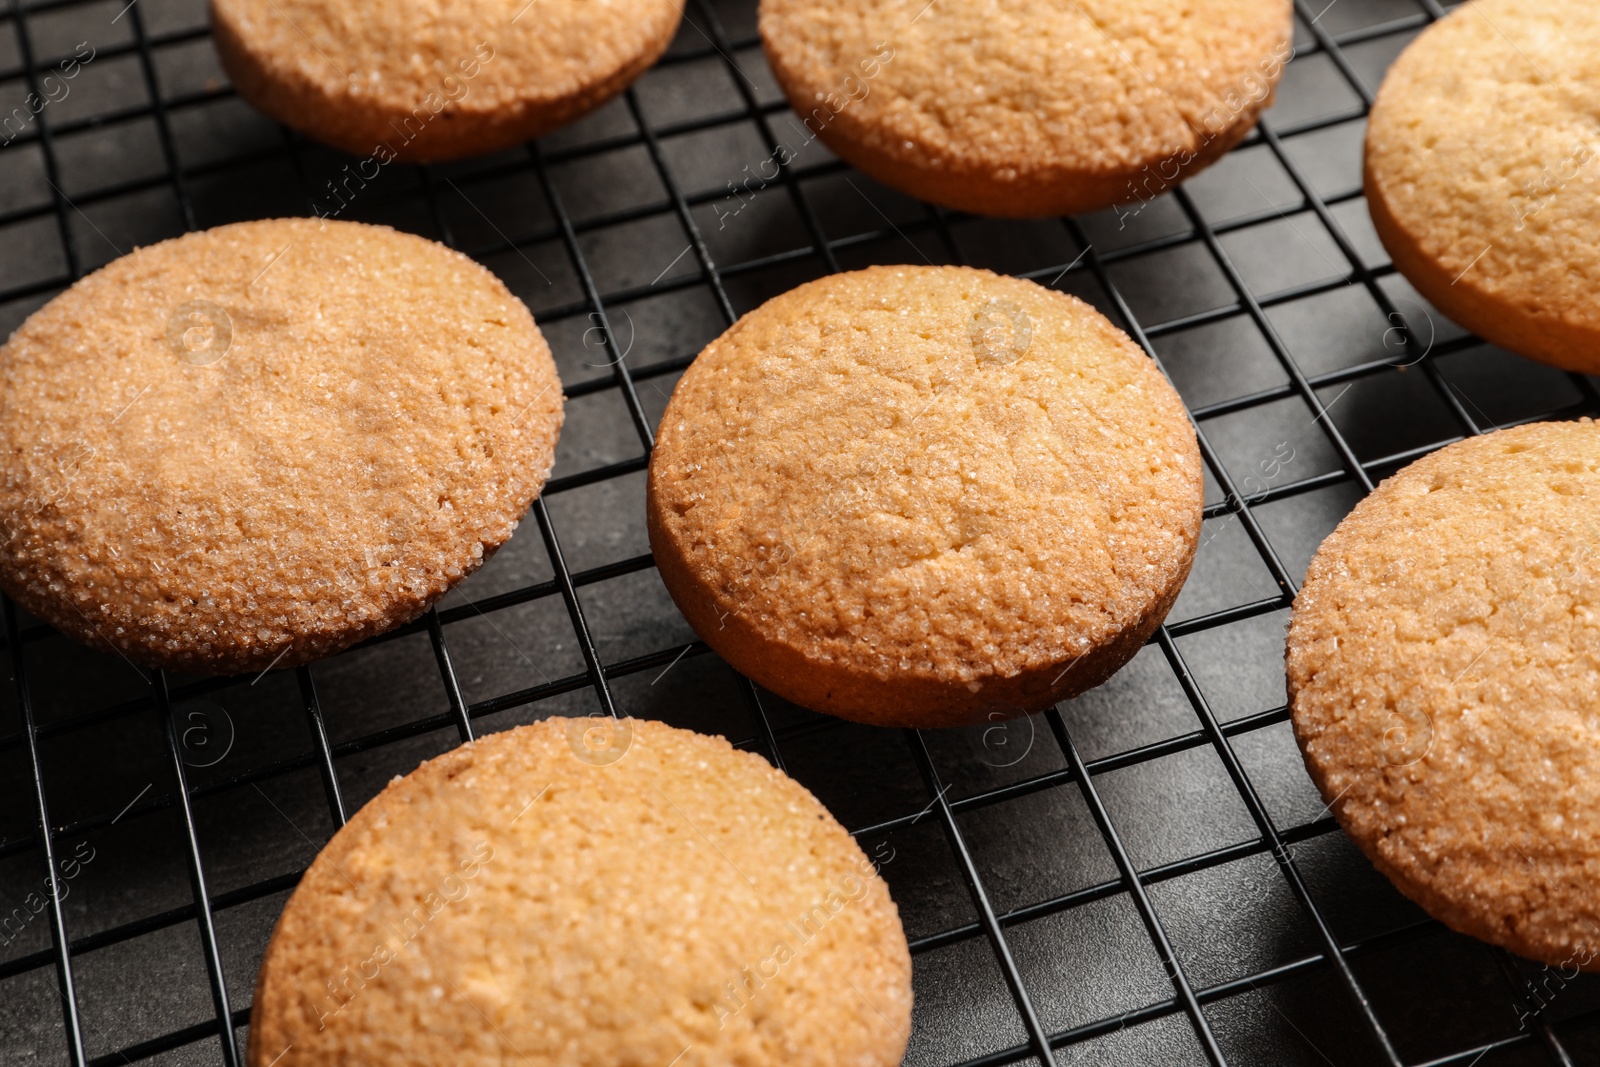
(1027,108)
(1444,671)
(256,445)
(584,891)
(923,496)
(1481,174)
(397,80)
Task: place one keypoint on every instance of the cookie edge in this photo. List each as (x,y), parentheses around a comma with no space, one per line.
(361,129)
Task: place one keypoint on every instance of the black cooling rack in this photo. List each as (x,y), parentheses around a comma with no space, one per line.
(1142,875)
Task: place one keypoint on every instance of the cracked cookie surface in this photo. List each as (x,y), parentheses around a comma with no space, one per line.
(924,495)
(587,891)
(1444,681)
(1482,177)
(259,444)
(436,80)
(1030,107)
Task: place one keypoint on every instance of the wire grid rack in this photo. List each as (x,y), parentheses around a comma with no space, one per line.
(1142,875)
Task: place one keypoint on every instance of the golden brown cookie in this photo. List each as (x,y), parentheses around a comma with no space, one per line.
(532,898)
(1032,107)
(1444,678)
(1481,173)
(924,495)
(396,79)
(262,443)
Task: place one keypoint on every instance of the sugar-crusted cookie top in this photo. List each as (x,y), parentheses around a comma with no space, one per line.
(934,472)
(1484,144)
(1031,86)
(395,53)
(1444,668)
(271,438)
(523,900)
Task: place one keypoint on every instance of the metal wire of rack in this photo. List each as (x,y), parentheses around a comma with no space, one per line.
(1039,993)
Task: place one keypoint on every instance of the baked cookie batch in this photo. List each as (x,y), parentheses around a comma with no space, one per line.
(909,496)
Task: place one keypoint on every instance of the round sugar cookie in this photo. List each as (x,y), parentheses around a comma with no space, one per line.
(924,496)
(397,79)
(587,891)
(1031,107)
(1482,174)
(256,445)
(1444,680)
